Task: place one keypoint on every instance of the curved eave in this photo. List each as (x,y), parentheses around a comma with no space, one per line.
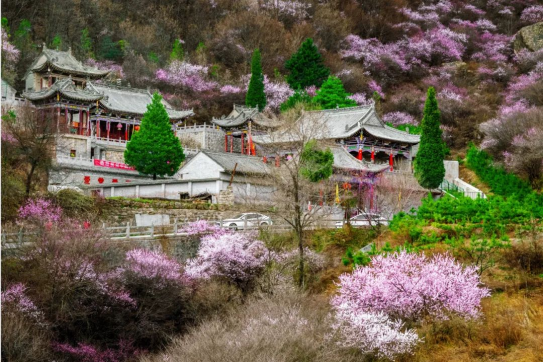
(392,135)
(67,94)
(98,74)
(178,115)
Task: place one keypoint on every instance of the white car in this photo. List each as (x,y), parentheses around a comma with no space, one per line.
(248,220)
(364,220)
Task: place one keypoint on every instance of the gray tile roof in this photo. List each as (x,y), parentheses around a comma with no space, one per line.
(64,62)
(131,100)
(67,88)
(338,124)
(344,160)
(246,164)
(241,114)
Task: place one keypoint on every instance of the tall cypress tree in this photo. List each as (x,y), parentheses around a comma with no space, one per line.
(429,163)
(306,67)
(255,96)
(332,94)
(155,149)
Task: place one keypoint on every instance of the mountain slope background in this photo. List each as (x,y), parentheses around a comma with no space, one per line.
(487,71)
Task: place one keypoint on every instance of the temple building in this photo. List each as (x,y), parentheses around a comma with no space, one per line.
(241,125)
(94,119)
(358,130)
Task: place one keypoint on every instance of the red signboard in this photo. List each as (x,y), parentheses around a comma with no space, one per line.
(110,164)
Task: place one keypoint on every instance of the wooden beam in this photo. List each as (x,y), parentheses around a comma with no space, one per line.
(232,174)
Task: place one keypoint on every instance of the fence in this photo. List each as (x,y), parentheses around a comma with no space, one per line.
(127,232)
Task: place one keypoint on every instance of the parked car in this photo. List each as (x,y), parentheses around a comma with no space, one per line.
(364,220)
(246,220)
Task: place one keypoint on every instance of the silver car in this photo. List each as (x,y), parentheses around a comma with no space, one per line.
(365,220)
(248,220)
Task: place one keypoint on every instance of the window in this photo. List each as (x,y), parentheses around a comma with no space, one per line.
(72,153)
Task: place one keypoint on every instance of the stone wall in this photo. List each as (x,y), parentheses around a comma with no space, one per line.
(119,212)
(226,197)
(66,144)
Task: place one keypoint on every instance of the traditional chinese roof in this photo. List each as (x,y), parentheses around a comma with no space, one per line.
(64,62)
(67,89)
(241,115)
(338,124)
(344,160)
(131,100)
(246,164)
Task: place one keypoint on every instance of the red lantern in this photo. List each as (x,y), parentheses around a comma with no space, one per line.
(360,155)
(119,126)
(100,180)
(391,161)
(114,180)
(372,154)
(137,128)
(87,180)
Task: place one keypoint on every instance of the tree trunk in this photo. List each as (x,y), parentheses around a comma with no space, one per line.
(154,176)
(29,179)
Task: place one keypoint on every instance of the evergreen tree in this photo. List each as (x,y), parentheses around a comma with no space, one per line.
(377,103)
(306,67)
(332,94)
(155,149)
(255,96)
(86,43)
(177,51)
(57,42)
(429,163)
(316,164)
(299,97)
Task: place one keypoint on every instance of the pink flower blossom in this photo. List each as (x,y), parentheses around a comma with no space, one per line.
(188,75)
(154,265)
(10,52)
(116,69)
(15,297)
(399,118)
(236,257)
(374,333)
(360,98)
(292,8)
(532,14)
(40,211)
(411,286)
(230,89)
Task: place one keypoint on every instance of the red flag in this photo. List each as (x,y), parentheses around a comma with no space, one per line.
(360,155)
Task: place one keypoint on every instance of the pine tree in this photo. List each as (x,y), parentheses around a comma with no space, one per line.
(306,67)
(255,96)
(155,149)
(429,163)
(332,95)
(177,51)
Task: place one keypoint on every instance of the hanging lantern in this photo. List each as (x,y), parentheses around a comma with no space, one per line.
(391,161)
(360,155)
(119,126)
(372,154)
(137,128)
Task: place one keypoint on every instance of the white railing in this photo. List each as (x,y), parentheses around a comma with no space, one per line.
(191,151)
(75,160)
(195,127)
(110,141)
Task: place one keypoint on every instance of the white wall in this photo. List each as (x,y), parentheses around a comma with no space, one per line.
(200,167)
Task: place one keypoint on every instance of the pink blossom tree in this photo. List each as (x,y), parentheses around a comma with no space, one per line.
(154,266)
(40,212)
(374,333)
(413,287)
(237,258)
(14,299)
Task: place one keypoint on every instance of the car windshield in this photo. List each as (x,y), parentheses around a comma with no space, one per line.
(238,216)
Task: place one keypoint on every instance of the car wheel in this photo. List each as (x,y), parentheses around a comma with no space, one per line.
(264,224)
(233,226)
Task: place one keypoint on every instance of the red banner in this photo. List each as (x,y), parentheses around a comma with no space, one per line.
(110,164)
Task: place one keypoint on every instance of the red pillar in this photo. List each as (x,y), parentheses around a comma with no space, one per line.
(80,123)
(97,128)
(88,123)
(231,143)
(226,142)
(126,132)
(108,125)
(58,117)
(242,147)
